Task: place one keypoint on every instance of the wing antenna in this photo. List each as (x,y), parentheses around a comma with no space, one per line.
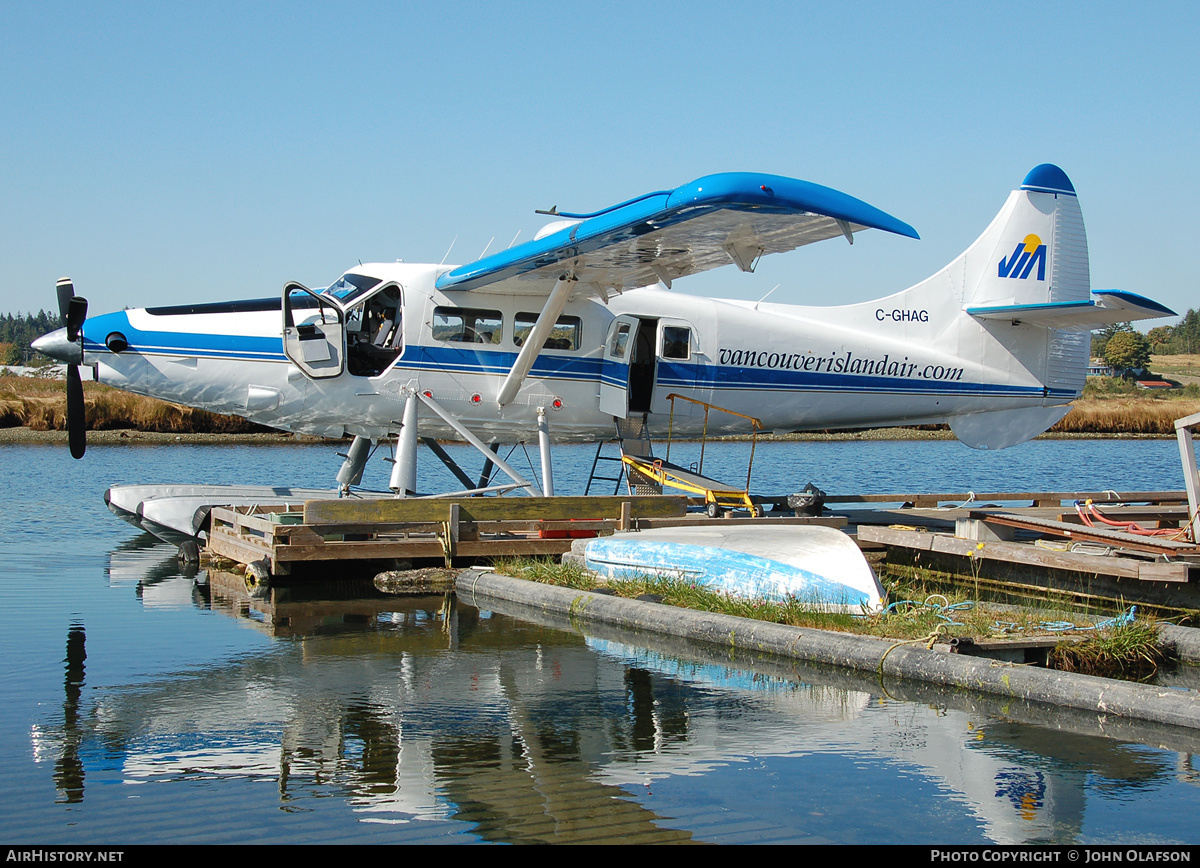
(764,298)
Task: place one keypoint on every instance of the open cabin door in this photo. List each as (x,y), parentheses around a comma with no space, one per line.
(314,338)
(627,374)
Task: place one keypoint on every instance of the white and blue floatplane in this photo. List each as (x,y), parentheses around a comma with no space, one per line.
(570,335)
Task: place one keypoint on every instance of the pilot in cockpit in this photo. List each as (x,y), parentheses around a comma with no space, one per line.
(374,333)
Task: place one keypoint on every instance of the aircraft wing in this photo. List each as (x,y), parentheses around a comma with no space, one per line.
(713,221)
(1106,307)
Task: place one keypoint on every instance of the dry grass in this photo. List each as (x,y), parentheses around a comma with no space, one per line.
(1183,367)
(1125,415)
(41,405)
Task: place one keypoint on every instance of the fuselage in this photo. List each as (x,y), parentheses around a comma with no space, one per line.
(292,365)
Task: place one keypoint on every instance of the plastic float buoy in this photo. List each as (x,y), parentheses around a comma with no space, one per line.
(258,578)
(189,552)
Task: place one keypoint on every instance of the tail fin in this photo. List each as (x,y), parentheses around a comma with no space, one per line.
(1025,289)
(1035,251)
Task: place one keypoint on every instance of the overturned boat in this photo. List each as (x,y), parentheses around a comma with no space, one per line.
(817,565)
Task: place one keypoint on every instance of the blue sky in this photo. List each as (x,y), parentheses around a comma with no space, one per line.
(162,153)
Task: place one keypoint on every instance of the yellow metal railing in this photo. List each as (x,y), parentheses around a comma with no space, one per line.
(756,426)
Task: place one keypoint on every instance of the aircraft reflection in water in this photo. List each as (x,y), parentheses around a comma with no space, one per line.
(423,709)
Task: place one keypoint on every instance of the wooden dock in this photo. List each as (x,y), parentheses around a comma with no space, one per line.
(1029,543)
(451,529)
(1046,548)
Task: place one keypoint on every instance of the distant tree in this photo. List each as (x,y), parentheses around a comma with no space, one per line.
(20,330)
(1160,338)
(1101,338)
(1185,337)
(1126,350)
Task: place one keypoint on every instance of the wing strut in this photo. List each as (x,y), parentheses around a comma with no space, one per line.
(536,340)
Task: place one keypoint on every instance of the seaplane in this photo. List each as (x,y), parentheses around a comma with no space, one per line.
(579,335)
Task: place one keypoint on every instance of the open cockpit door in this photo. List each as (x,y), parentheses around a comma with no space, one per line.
(313,332)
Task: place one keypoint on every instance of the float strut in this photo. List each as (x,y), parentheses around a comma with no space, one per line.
(352,468)
(404,471)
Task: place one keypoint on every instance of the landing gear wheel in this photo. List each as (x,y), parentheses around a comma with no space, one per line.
(258,578)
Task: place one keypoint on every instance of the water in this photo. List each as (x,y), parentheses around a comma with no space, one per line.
(139,708)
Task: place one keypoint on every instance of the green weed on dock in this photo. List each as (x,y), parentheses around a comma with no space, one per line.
(920,611)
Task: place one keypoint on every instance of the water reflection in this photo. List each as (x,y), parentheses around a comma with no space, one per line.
(68,770)
(425,710)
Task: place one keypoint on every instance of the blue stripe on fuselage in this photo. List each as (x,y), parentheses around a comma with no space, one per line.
(467,360)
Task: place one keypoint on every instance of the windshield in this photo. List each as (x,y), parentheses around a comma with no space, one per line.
(351,286)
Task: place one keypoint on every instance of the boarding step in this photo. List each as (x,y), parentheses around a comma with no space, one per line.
(634,438)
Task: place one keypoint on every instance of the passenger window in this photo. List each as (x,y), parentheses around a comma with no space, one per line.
(566,334)
(467,325)
(620,338)
(677,342)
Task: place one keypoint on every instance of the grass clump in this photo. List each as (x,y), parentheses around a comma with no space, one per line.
(678,592)
(1128,651)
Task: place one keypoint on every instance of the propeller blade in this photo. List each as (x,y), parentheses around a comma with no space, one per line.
(76,413)
(66,292)
(76,314)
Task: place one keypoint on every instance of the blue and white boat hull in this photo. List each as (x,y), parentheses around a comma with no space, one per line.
(817,565)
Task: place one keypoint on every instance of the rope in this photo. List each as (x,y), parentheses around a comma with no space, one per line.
(929,641)
(1125,618)
(938,610)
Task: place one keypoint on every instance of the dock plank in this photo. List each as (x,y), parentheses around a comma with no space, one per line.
(489,509)
(1155,545)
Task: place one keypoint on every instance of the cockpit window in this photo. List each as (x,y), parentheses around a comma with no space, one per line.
(351,286)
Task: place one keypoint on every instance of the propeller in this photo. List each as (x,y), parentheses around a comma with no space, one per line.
(73,309)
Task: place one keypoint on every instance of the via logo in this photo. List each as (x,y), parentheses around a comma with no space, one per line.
(1025,255)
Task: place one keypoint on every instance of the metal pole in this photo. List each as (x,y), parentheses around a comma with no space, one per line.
(544,447)
(478,444)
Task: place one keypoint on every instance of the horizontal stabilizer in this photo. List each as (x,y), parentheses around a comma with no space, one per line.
(732,218)
(1106,307)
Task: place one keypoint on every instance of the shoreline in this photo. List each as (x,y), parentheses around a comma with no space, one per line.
(133,437)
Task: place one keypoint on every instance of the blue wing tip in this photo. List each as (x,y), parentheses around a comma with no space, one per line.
(1139,300)
(1048,178)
